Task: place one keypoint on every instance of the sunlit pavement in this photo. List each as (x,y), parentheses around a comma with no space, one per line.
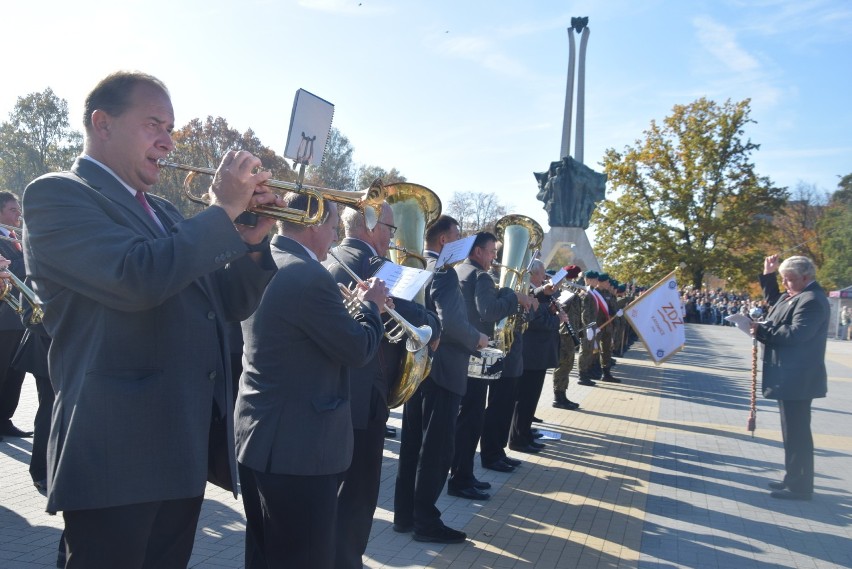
(657,471)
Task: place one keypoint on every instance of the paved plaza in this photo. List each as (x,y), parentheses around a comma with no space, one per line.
(655,472)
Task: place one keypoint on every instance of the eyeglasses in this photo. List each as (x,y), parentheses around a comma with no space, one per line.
(390,227)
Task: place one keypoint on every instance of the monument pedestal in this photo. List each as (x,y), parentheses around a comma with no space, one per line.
(569,246)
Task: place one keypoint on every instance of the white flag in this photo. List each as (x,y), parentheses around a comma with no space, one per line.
(657,319)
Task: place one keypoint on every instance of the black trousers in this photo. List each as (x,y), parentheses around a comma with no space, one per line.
(529,391)
(11,379)
(41,430)
(425,453)
(468,431)
(498,419)
(798,445)
(290,520)
(359,494)
(151,535)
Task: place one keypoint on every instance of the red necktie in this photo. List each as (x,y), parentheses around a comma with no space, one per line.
(16,244)
(140,197)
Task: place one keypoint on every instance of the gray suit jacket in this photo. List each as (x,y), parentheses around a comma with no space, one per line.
(459,337)
(139,357)
(293,414)
(794,337)
(371,383)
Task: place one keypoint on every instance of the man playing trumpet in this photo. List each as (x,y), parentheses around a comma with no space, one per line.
(293,414)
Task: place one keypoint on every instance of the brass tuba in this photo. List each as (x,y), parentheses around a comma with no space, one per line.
(415,208)
(520,235)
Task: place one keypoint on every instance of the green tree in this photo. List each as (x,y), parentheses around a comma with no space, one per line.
(203,144)
(336,171)
(367,174)
(37,139)
(687,193)
(836,229)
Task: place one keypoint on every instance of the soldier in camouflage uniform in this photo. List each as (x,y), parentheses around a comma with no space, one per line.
(590,313)
(572,307)
(606,333)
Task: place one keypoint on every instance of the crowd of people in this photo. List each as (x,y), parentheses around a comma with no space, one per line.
(702,306)
(149,402)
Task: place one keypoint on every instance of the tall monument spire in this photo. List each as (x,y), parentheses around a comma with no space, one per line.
(579,25)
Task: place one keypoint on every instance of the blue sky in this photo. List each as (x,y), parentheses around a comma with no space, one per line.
(463,95)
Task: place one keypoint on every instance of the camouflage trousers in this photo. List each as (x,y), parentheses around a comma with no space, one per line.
(588,353)
(566,363)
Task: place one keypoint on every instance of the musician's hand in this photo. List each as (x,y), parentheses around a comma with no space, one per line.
(373,290)
(533,303)
(389,303)
(254,235)
(525,301)
(548,289)
(771,264)
(235,185)
(754,326)
(483,341)
(563,318)
(4,264)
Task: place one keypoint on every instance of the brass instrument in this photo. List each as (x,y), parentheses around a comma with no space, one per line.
(418,338)
(521,236)
(7,289)
(369,201)
(415,208)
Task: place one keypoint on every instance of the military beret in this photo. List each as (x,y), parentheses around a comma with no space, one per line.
(573,271)
(603,276)
(591,274)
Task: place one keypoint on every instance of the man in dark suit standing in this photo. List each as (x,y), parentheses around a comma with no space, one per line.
(11,328)
(793,337)
(293,414)
(541,352)
(136,300)
(486,305)
(429,417)
(363,252)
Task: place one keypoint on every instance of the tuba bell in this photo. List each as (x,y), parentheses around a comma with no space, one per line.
(521,236)
(415,208)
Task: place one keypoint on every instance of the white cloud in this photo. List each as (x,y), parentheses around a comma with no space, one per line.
(721,42)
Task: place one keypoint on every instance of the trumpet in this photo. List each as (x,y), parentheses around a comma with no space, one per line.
(418,338)
(7,287)
(369,202)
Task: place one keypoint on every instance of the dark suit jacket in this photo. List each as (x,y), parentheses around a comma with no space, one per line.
(9,319)
(794,337)
(371,383)
(541,340)
(459,337)
(486,304)
(293,414)
(139,358)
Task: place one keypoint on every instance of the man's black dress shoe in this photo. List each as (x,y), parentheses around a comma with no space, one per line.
(11,430)
(469,493)
(512,461)
(777,486)
(403,528)
(442,534)
(41,486)
(390,432)
(588,382)
(499,466)
(480,485)
(536,420)
(790,495)
(538,445)
(529,449)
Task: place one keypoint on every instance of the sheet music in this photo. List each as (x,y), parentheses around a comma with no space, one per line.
(403,282)
(455,251)
(310,123)
(741,321)
(558,276)
(565,296)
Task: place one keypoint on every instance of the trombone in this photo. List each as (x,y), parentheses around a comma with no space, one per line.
(7,286)
(418,338)
(369,201)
